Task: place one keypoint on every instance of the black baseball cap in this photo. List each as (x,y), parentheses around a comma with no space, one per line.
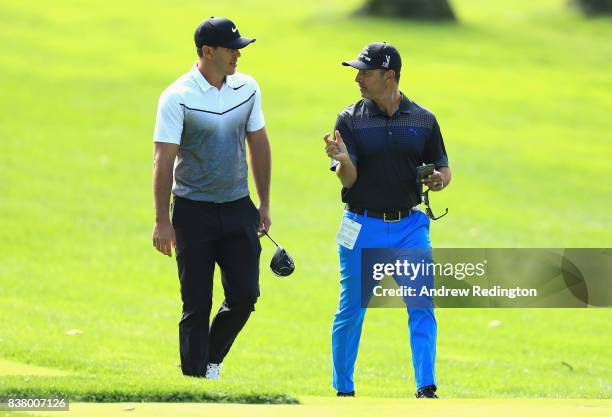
(377,55)
(219,31)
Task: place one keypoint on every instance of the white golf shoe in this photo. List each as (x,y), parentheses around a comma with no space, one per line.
(213,370)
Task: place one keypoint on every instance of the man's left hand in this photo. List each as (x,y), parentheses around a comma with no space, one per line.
(264,220)
(435,181)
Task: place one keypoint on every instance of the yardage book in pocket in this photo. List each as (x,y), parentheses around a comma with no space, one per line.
(348,233)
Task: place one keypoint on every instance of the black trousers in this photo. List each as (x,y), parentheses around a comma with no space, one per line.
(209,233)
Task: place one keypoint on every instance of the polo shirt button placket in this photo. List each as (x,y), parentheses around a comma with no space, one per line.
(219,100)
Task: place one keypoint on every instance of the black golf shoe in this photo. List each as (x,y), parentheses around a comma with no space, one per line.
(427,392)
(345,394)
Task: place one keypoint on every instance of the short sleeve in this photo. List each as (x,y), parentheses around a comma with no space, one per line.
(342,126)
(435,152)
(256,118)
(169,121)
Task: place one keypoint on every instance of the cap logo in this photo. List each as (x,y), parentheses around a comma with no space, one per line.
(234,29)
(387,61)
(363,55)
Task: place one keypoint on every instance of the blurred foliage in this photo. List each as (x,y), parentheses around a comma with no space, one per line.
(412,9)
(595,7)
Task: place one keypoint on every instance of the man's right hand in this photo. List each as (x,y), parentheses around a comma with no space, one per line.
(164,238)
(336,148)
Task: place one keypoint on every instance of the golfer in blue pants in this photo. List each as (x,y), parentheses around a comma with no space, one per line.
(409,232)
(377,145)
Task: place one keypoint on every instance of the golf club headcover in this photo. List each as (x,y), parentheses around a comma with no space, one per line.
(282,264)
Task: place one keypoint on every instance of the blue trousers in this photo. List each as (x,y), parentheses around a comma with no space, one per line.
(409,232)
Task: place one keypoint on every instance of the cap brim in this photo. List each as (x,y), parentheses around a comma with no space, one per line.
(239,43)
(358,64)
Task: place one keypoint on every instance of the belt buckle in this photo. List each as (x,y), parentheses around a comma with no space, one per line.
(399,217)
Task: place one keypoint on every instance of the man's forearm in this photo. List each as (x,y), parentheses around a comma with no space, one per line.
(162,186)
(261,166)
(347,173)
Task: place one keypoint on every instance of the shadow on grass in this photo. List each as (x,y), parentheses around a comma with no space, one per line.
(106,390)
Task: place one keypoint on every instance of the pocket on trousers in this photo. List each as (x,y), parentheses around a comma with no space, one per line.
(255,212)
(179,212)
(172,205)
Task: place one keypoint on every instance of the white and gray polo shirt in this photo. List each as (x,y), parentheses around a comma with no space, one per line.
(210,127)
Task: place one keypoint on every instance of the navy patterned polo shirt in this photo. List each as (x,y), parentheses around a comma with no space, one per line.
(386,151)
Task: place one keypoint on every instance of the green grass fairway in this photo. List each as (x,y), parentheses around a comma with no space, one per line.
(326,407)
(522,93)
(16,368)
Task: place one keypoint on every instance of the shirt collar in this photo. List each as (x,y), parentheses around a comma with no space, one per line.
(204,84)
(199,78)
(405,104)
(230,80)
(373,109)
